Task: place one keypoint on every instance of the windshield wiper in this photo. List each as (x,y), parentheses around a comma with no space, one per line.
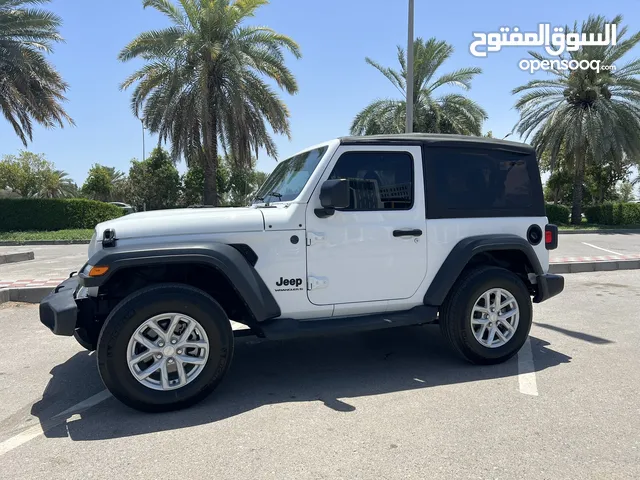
(272,194)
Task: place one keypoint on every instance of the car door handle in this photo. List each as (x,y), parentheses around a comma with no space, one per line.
(407,233)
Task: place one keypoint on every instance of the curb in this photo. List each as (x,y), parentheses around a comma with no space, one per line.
(36,294)
(24,295)
(16,257)
(612,231)
(17,243)
(582,267)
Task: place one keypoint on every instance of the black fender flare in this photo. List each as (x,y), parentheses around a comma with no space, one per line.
(226,259)
(464,251)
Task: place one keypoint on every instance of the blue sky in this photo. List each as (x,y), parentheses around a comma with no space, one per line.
(335,82)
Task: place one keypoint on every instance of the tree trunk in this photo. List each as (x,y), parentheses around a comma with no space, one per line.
(210,144)
(576,208)
(210,167)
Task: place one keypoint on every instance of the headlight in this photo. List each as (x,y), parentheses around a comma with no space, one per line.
(94,270)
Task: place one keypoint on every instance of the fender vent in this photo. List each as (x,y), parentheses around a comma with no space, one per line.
(246,251)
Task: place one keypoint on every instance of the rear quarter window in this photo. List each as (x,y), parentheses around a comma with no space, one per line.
(482,182)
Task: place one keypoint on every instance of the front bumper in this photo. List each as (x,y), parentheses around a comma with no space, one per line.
(59,310)
(549,285)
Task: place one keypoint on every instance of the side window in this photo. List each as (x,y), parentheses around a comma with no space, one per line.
(377,180)
(471,182)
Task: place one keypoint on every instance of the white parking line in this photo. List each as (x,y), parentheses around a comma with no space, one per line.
(37,430)
(600,248)
(526,370)
(21,438)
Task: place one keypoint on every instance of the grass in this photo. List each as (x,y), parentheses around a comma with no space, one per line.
(85,234)
(79,234)
(593,226)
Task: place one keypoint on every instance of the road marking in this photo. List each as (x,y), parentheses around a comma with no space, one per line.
(526,370)
(37,430)
(21,438)
(603,249)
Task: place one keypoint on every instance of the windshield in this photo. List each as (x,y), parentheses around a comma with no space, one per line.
(289,178)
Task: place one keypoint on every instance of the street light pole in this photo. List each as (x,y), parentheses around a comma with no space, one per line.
(409,128)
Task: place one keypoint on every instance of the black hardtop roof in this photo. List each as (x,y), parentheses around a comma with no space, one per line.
(436,138)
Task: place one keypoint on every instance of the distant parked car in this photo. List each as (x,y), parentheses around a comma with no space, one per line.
(5,193)
(126,207)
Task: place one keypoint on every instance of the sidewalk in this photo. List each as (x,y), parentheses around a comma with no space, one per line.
(54,263)
(51,263)
(557,265)
(31,283)
(599,258)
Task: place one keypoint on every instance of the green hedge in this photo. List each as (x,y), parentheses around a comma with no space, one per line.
(558,214)
(53,214)
(614,214)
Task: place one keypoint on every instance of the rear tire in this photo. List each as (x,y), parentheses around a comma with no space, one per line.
(463,322)
(204,360)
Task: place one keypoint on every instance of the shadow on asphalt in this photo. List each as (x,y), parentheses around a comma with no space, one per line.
(572,333)
(325,369)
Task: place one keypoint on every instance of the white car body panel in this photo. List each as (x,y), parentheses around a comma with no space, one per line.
(184,221)
(356,252)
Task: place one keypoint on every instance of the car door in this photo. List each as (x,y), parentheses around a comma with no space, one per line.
(375,249)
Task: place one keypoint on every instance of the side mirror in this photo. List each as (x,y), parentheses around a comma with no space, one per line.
(333,194)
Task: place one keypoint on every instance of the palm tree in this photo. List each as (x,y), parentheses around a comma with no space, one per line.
(594,116)
(448,113)
(105,183)
(57,184)
(30,87)
(203,82)
(116,177)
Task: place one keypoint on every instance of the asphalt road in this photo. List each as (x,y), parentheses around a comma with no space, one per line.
(57,261)
(393,404)
(51,261)
(597,244)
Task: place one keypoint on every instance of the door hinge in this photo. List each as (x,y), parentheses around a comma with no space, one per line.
(313,238)
(315,283)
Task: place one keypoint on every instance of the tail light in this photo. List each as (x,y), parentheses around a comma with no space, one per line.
(551,237)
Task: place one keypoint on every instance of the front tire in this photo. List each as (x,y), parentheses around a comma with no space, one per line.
(87,340)
(165,347)
(487,316)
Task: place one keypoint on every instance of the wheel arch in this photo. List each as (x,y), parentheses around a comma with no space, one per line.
(213,267)
(504,250)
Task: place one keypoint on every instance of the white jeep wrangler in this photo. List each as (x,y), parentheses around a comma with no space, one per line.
(358,233)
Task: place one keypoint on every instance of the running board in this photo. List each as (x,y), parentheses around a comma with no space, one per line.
(280,328)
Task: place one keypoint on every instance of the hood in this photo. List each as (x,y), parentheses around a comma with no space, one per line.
(185,221)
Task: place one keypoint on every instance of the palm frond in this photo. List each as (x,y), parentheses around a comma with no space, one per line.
(450,113)
(203,84)
(30,88)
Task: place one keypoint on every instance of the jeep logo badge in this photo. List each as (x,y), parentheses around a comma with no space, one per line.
(293,282)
